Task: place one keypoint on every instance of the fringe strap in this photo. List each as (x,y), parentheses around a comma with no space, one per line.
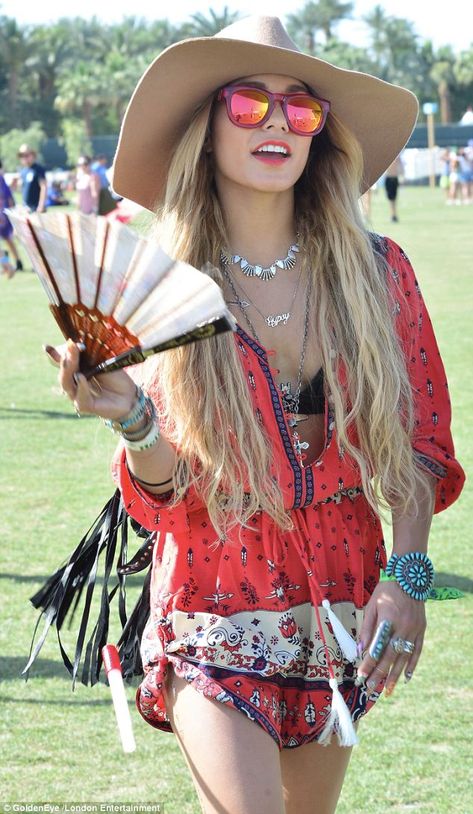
(59,597)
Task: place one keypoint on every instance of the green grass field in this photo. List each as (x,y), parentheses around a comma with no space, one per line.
(61,746)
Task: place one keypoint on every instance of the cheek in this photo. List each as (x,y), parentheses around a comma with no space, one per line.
(228,143)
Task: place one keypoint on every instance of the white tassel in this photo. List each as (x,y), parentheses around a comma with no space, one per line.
(339,720)
(346,642)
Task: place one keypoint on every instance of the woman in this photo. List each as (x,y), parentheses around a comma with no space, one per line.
(262,459)
(87,187)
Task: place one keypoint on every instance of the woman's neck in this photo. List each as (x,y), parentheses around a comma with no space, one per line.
(260,225)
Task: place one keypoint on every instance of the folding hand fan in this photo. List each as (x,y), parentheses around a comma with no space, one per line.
(117,292)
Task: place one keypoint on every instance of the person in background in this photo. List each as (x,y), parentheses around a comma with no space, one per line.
(454,180)
(33,180)
(391,185)
(465,165)
(6,229)
(56,195)
(467,117)
(87,187)
(107,202)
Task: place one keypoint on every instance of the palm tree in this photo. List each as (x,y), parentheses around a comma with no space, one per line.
(80,91)
(322,16)
(14,51)
(376,21)
(442,74)
(206,26)
(463,68)
(330,12)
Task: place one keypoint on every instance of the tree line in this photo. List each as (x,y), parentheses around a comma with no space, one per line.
(72,79)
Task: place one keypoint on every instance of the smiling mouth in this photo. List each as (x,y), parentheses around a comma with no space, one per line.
(276,151)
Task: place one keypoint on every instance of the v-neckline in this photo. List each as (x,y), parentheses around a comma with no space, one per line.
(327,434)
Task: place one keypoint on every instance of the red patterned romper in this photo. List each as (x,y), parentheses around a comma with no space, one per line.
(244,623)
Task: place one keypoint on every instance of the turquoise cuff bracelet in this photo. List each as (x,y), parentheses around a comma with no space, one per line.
(414,572)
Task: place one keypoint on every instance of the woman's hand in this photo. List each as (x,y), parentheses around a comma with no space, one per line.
(407,616)
(110,395)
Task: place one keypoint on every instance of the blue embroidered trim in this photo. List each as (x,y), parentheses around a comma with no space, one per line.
(309,484)
(278,412)
(429,463)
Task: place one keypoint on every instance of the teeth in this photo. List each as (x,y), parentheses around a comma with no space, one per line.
(272,148)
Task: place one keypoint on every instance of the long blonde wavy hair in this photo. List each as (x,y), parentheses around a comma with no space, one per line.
(205,408)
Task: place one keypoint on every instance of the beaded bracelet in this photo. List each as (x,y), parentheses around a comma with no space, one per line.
(414,572)
(149,440)
(135,414)
(150,418)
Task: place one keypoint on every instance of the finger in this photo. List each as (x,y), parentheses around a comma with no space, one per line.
(84,401)
(367,628)
(413,660)
(69,365)
(376,649)
(376,680)
(394,673)
(53,355)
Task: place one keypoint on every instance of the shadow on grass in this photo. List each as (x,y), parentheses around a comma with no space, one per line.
(443,578)
(11,667)
(131,579)
(17,412)
(96,702)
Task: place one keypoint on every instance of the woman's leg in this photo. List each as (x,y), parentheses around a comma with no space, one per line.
(233,761)
(312,777)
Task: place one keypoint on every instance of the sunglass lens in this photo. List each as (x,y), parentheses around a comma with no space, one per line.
(305,114)
(248,107)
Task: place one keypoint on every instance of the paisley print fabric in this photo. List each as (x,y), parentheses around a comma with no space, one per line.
(242,619)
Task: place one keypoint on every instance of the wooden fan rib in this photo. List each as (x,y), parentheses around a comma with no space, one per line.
(102,263)
(45,262)
(73,257)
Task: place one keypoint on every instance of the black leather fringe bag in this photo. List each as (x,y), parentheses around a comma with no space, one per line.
(59,597)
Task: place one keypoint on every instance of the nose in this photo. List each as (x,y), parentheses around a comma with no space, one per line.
(277,119)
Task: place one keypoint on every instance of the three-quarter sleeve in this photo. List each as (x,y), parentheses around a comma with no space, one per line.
(153,512)
(432,439)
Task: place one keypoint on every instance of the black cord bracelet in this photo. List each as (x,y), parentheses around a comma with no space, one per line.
(147,483)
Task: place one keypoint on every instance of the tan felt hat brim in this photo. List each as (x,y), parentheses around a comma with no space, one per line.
(380,115)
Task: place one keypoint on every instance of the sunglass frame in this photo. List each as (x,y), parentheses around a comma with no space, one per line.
(227,92)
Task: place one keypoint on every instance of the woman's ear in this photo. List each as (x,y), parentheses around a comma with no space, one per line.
(208,144)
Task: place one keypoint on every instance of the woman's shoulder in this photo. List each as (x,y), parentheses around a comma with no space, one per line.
(393,257)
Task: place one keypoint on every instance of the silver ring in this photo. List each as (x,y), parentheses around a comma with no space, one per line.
(398,645)
(402,646)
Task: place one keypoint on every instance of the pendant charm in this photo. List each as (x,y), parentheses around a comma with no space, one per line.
(273,321)
(299,445)
(289,400)
(296,419)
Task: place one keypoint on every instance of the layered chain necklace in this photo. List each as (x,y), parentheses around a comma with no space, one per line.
(272,320)
(290,399)
(263,272)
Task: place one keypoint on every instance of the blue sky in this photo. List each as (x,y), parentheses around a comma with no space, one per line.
(450,23)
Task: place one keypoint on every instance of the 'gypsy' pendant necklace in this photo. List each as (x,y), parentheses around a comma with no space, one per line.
(272,320)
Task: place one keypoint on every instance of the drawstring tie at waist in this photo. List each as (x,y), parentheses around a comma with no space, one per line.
(275,551)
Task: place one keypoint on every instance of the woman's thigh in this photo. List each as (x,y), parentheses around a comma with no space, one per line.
(312,777)
(233,761)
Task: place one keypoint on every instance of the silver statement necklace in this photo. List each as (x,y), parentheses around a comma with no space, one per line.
(254,270)
(272,320)
(290,400)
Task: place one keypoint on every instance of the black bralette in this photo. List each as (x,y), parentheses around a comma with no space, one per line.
(312,399)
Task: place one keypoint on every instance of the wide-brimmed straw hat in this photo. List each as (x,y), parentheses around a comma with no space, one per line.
(380,115)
